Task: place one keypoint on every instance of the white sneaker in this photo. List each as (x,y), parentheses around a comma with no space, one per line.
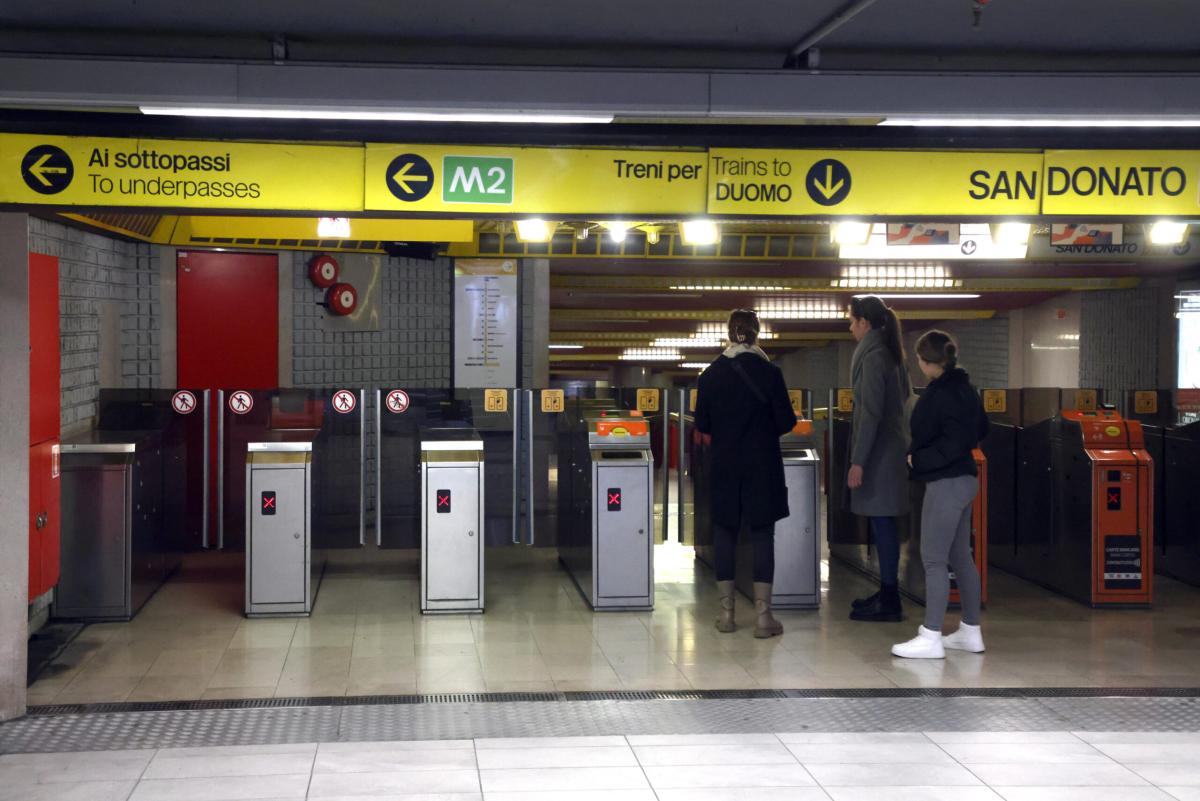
(926,645)
(967,638)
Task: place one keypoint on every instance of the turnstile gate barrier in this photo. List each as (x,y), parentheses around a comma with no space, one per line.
(606,536)
(279,563)
(1085,516)
(797,536)
(452,509)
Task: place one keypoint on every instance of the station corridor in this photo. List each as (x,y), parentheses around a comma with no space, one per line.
(367,637)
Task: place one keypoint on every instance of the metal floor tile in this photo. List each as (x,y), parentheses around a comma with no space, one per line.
(196,724)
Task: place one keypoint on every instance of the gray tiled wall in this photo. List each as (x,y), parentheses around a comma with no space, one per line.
(94,269)
(1118,339)
(983,349)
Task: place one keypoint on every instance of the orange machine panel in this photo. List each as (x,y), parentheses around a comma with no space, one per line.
(622,428)
(1122,508)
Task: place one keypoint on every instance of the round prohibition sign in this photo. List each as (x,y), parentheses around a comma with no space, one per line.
(183,402)
(397,401)
(344,401)
(240,402)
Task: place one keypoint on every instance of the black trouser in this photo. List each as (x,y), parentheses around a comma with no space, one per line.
(764,552)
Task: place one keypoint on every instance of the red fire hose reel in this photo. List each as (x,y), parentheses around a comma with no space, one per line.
(342,299)
(323,271)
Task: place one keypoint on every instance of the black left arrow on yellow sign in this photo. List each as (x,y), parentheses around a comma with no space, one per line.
(47,169)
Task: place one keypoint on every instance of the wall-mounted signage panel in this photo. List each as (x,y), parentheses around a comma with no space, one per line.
(87,171)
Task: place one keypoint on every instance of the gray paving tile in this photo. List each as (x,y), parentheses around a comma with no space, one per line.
(713,776)
(1056,775)
(892,775)
(562,779)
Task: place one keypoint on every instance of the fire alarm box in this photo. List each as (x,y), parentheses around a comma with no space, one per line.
(323,271)
(342,299)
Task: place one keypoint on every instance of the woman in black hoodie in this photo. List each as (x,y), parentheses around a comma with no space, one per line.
(947,423)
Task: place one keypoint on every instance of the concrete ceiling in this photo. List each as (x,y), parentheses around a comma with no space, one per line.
(714,34)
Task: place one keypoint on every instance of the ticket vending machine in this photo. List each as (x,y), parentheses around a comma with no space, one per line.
(1086,519)
(797,536)
(607,542)
(452,508)
(279,563)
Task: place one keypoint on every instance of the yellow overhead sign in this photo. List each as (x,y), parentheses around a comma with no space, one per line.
(550,181)
(1122,182)
(86,171)
(863,182)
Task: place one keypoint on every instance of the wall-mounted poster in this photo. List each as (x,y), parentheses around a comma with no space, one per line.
(486,311)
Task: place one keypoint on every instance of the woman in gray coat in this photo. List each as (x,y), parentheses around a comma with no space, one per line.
(878,475)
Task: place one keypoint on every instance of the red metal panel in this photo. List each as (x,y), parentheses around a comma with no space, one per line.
(44,361)
(228,320)
(44,528)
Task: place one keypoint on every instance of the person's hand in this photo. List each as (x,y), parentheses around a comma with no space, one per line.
(910,460)
(854,478)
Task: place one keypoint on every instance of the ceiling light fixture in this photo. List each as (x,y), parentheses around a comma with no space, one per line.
(688,342)
(532,117)
(1040,122)
(1168,232)
(617,230)
(699,233)
(927,296)
(651,355)
(333,227)
(1011,233)
(564,346)
(652,234)
(534,229)
(850,232)
(694,365)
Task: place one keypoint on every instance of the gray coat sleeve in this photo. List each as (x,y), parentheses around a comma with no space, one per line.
(870,393)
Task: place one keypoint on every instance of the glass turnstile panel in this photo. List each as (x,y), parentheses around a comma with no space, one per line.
(336,415)
(403,414)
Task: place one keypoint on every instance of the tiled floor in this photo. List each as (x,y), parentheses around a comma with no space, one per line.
(366,637)
(804,766)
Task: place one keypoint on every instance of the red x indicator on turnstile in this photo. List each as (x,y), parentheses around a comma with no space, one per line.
(1114,498)
(268,502)
(443,502)
(614,499)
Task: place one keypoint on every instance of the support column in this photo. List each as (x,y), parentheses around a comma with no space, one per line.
(14,461)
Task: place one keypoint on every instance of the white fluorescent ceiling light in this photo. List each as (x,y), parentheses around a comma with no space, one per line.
(1168,232)
(534,229)
(1039,122)
(333,227)
(375,116)
(699,233)
(694,365)
(557,346)
(928,296)
(850,232)
(687,342)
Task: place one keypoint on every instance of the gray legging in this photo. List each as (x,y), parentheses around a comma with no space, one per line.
(946,545)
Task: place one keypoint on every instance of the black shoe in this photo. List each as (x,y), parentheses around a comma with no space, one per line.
(863,603)
(886,608)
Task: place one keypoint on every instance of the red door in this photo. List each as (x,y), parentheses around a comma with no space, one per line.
(227,307)
(44,423)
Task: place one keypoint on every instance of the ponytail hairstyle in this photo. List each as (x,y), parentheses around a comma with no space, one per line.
(938,347)
(743,327)
(883,317)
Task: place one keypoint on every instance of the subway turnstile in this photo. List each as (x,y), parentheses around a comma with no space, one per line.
(452,505)
(1085,509)
(606,538)
(115,553)
(797,536)
(1178,545)
(279,563)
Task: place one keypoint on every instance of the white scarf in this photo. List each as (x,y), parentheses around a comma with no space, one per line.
(733,351)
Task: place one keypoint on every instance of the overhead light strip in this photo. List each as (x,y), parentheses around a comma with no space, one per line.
(1039,122)
(532,117)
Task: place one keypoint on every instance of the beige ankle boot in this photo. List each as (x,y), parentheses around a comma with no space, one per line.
(725,622)
(765,625)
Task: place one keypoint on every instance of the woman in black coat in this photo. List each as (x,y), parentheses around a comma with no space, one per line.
(743,404)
